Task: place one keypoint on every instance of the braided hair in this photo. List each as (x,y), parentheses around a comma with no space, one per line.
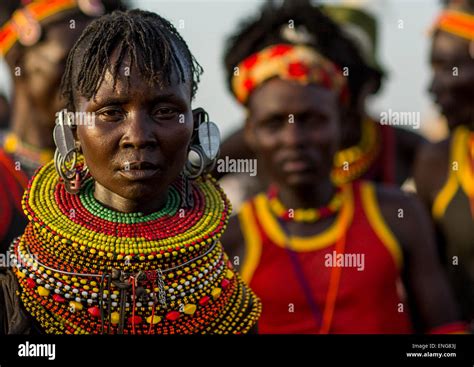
(151,44)
(321,33)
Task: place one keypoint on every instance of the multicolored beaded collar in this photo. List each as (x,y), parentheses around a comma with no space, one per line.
(353,162)
(85,269)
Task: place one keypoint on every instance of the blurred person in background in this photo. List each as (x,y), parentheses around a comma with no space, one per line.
(324,256)
(369,150)
(445,170)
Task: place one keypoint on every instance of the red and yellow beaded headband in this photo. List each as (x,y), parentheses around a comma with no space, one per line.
(456,22)
(288,62)
(24,25)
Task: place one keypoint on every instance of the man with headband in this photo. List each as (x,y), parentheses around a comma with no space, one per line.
(445,170)
(324,258)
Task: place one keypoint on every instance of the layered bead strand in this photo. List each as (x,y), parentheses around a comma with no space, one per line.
(73,244)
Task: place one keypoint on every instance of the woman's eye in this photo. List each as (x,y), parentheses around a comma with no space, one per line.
(165,112)
(111,114)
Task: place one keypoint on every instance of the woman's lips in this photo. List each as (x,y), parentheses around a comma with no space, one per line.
(139,170)
(139,174)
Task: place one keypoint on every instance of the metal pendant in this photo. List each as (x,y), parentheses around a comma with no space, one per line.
(209,139)
(63,136)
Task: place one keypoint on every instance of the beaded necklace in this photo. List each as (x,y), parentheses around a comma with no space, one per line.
(470,153)
(306,215)
(30,157)
(86,269)
(353,162)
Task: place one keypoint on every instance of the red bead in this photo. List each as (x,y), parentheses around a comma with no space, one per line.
(135,320)
(94,311)
(58,298)
(225,283)
(30,283)
(204,300)
(173,315)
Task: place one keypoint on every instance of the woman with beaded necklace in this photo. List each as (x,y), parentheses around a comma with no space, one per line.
(35,38)
(124,227)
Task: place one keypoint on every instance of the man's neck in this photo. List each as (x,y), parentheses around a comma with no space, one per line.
(311,196)
(28,124)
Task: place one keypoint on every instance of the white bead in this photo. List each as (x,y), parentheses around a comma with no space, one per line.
(75,290)
(113,296)
(84,294)
(171,290)
(194,279)
(67,287)
(139,304)
(180,287)
(114,304)
(182,294)
(57,291)
(67,295)
(89,301)
(78,299)
(173,298)
(186,283)
(94,295)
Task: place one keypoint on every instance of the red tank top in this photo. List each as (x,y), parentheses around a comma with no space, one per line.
(367,296)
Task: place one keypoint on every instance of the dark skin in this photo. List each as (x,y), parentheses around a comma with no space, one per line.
(4,112)
(406,141)
(316,141)
(454,95)
(36,97)
(136,125)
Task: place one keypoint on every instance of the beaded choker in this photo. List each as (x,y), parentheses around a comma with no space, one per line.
(30,157)
(86,269)
(308,215)
(353,162)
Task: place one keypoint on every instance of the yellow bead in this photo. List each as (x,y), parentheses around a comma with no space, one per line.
(43,291)
(20,274)
(229,274)
(76,305)
(155,320)
(189,309)
(216,292)
(115,318)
